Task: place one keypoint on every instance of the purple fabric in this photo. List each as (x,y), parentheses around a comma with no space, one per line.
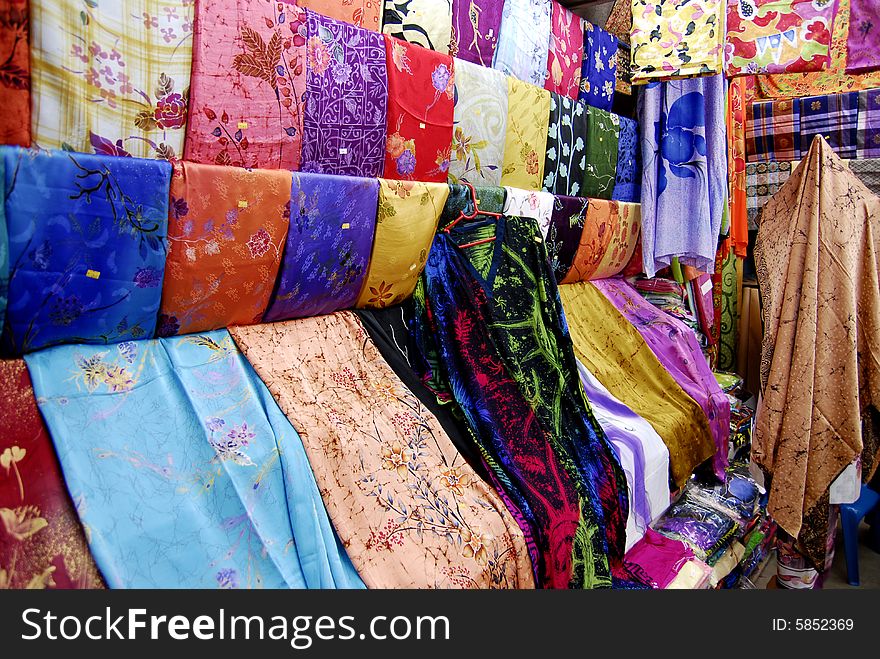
(868,135)
(346,106)
(332,222)
(476,32)
(564,236)
(863,43)
(677,348)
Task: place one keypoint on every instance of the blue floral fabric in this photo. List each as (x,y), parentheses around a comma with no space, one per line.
(86,246)
(185,471)
(628,179)
(599,68)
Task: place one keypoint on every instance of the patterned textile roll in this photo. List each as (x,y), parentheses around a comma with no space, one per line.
(15,74)
(566,161)
(628,175)
(525,145)
(362,13)
(599,69)
(524,42)
(603,136)
(427,23)
(475,28)
(608,242)
(566,52)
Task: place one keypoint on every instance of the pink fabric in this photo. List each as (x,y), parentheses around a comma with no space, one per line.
(658,559)
(566,52)
(248,80)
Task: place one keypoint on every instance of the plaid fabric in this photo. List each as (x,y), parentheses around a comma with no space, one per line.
(868,138)
(763,179)
(835,117)
(772,130)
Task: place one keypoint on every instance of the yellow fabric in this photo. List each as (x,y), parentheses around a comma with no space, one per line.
(525,147)
(618,356)
(119,70)
(405,225)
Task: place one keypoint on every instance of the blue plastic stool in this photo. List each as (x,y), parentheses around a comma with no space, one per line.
(851,515)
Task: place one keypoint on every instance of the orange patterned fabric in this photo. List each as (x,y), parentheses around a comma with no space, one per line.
(611,233)
(15,97)
(736,165)
(363,13)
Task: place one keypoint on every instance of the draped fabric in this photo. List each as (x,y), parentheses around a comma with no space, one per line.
(111,76)
(480,125)
(427,23)
(729,314)
(778,36)
(345,115)
(362,13)
(623,82)
(819,359)
(603,135)
(834,117)
(186,472)
(736,165)
(525,144)
(599,67)
(476,25)
(15,74)
(566,52)
(405,225)
(408,508)
(628,175)
(773,130)
(620,19)
(248,83)
(42,544)
(612,349)
(420,112)
(670,39)
(226,233)
(536,205)
(566,161)
(90,270)
(684,177)
(523,44)
(677,348)
(868,132)
(864,37)
(832,80)
(643,456)
(608,241)
(332,224)
(763,180)
(497,307)
(460,201)
(566,229)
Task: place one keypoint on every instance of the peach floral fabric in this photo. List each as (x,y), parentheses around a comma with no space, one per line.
(611,233)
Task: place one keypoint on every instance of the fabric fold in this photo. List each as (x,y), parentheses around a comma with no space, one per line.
(525,143)
(476,25)
(628,174)
(608,241)
(427,23)
(599,67)
(524,41)
(603,137)
(566,161)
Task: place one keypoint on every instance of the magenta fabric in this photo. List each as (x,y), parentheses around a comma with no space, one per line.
(658,559)
(863,43)
(475,28)
(677,348)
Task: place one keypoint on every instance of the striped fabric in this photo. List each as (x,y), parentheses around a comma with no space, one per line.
(772,130)
(835,117)
(868,136)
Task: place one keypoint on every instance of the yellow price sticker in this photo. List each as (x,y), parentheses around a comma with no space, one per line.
(93,274)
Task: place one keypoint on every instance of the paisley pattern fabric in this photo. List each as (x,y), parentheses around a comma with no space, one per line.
(42,544)
(566,162)
(15,74)
(91,269)
(628,175)
(226,233)
(480,125)
(186,473)
(523,45)
(409,509)
(566,52)
(427,23)
(608,241)
(362,13)
(421,87)
(525,144)
(599,68)
(476,25)
(345,113)
(603,135)
(332,224)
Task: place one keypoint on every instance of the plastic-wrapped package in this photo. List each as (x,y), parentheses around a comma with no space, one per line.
(737,497)
(707,531)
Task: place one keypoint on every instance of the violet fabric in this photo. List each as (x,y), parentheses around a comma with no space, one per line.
(868,132)
(475,28)
(332,223)
(863,43)
(564,236)
(677,348)
(346,99)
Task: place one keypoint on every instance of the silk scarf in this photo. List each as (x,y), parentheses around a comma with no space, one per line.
(15,74)
(525,143)
(628,175)
(90,270)
(427,23)
(863,41)
(476,25)
(112,77)
(599,68)
(248,83)
(566,161)
(608,241)
(362,13)
(332,225)
(524,42)
(603,135)
(566,52)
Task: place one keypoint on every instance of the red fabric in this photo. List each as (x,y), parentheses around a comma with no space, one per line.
(42,544)
(420,112)
(15,98)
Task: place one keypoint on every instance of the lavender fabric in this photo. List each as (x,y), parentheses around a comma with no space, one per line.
(599,68)
(868,132)
(564,236)
(332,222)
(344,124)
(677,348)
(475,28)
(524,42)
(684,171)
(863,43)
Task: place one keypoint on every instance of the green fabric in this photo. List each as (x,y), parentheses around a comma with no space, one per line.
(603,133)
(729,316)
(488,199)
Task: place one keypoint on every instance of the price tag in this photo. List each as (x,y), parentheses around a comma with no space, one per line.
(242,124)
(93,274)
(343,151)
(706,287)
(346,226)
(422,126)
(242,203)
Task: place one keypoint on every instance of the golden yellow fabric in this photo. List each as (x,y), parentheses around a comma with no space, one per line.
(614,351)
(405,225)
(525,147)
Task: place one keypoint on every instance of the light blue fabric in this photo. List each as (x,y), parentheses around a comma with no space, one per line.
(184,471)
(524,42)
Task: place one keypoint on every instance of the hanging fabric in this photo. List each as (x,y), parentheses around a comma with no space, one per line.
(113,77)
(460,201)
(226,233)
(246,510)
(524,42)
(15,74)
(684,175)
(405,225)
(537,205)
(566,229)
(603,136)
(628,175)
(736,164)
(427,23)
(410,511)
(332,225)
(361,13)
(476,25)
(525,144)
(868,134)
(773,130)
(566,161)
(90,270)
(420,112)
(864,37)
(868,172)
(763,180)
(344,123)
(608,241)
(4,251)
(43,544)
(599,67)
(248,82)
(620,20)
(566,52)
(834,117)
(480,126)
